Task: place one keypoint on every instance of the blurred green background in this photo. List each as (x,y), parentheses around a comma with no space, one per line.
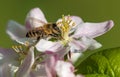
(88,10)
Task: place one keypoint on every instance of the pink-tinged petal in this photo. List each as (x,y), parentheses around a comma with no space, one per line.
(44,45)
(5,71)
(55,47)
(8,56)
(83,44)
(39,71)
(35,18)
(64,69)
(26,66)
(15,30)
(77,20)
(93,30)
(60,52)
(58,55)
(50,65)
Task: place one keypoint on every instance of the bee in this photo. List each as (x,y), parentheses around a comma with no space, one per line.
(45,31)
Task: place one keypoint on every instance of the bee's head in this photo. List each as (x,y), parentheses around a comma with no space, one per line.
(56,28)
(56,32)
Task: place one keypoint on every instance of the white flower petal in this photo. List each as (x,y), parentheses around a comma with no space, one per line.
(75,57)
(60,52)
(93,30)
(13,69)
(77,20)
(44,45)
(15,30)
(50,66)
(79,76)
(64,69)
(8,56)
(39,71)
(83,44)
(26,66)
(35,18)
(5,71)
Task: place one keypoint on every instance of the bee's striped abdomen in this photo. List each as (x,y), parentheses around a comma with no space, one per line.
(45,31)
(36,33)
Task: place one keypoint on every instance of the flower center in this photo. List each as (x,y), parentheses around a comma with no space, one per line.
(65,26)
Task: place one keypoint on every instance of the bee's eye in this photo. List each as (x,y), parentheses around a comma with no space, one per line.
(55,26)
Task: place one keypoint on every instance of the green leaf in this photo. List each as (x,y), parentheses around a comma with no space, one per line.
(96,75)
(106,62)
(84,56)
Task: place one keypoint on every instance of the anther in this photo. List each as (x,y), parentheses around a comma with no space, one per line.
(69,21)
(20,48)
(16,49)
(27,44)
(73,24)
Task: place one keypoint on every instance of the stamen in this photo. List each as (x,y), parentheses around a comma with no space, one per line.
(27,44)
(73,24)
(69,21)
(20,47)
(17,49)
(65,25)
(69,55)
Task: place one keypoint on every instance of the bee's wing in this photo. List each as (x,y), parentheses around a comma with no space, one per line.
(23,41)
(36,22)
(15,30)
(35,18)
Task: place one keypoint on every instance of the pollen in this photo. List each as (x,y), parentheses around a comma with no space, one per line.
(17,49)
(20,51)
(27,44)
(65,26)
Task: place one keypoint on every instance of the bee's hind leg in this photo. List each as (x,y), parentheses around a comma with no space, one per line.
(37,40)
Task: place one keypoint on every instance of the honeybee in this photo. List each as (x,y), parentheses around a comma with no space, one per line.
(45,31)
